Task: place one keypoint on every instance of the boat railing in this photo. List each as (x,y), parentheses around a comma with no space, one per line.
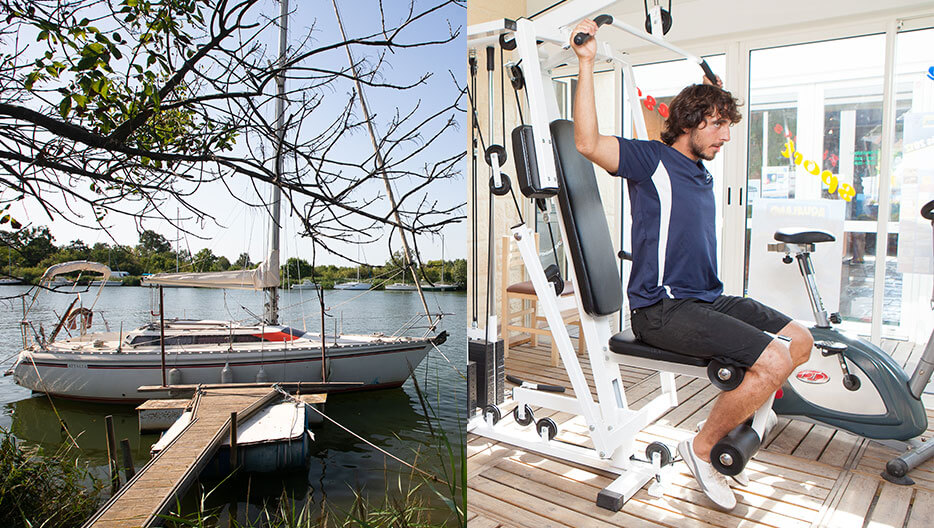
(415,323)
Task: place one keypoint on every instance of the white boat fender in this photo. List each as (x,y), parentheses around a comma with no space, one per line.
(226,374)
(175,377)
(261,376)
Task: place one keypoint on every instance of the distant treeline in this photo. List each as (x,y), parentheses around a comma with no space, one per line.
(26,254)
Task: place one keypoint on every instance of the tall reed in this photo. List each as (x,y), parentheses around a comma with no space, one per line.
(42,489)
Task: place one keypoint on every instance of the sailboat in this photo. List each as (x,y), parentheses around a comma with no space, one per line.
(400,286)
(304,285)
(112,366)
(354,284)
(9,279)
(440,285)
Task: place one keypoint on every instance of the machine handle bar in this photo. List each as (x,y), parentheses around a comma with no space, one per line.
(600,20)
(928,210)
(582,37)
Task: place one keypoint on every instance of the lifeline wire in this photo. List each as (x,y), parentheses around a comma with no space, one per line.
(358,437)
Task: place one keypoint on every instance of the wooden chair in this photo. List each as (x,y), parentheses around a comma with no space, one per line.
(526,319)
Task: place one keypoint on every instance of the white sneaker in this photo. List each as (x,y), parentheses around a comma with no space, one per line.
(712,482)
(740,478)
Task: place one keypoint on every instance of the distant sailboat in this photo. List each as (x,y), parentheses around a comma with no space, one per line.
(354,284)
(304,285)
(440,285)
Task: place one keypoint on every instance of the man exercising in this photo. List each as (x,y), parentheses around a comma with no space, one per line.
(676,298)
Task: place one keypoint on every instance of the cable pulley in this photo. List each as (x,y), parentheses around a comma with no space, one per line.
(666,18)
(504,186)
(516,77)
(507,45)
(499,150)
(553,274)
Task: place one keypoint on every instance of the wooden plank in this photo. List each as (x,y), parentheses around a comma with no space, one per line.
(479,521)
(840,449)
(892,507)
(787,441)
(922,510)
(571,509)
(696,395)
(854,504)
(812,445)
(509,506)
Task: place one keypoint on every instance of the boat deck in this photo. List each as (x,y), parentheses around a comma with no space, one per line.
(153,490)
(806,476)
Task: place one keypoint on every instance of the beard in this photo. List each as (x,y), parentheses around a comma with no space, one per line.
(698,150)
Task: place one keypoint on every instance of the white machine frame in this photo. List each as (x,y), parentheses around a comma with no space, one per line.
(611,423)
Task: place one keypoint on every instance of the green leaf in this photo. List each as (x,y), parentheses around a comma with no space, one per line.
(64,107)
(87,63)
(43,35)
(4,219)
(30,80)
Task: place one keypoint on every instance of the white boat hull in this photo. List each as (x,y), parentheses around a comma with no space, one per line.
(353,286)
(115,376)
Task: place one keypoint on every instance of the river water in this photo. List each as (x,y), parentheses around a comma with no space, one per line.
(340,464)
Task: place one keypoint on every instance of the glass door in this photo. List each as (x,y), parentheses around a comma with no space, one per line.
(815,159)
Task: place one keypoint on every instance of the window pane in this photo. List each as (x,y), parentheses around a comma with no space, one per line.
(912,185)
(815,134)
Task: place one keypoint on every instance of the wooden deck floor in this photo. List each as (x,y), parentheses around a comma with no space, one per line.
(806,476)
(169,472)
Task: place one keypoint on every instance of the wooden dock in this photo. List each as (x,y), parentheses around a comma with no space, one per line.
(806,476)
(153,490)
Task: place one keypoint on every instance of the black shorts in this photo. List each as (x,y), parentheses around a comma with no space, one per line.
(730,329)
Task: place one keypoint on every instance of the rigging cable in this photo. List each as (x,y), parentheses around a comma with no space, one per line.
(380,163)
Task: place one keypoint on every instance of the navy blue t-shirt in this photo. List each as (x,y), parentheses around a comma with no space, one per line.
(674,241)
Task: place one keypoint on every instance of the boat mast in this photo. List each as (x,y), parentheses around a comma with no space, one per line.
(272,294)
(382,168)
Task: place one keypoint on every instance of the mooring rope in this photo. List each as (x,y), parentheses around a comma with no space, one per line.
(453,366)
(358,437)
(61,421)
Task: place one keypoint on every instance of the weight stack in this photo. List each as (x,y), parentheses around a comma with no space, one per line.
(471,388)
(491,370)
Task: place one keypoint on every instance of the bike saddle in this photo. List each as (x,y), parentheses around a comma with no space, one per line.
(801,235)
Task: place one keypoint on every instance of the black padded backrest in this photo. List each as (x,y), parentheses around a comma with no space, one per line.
(588,235)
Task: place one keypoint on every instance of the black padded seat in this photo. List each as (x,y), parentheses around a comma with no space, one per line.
(625,343)
(802,235)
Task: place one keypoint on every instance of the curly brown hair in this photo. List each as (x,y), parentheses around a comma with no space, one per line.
(690,107)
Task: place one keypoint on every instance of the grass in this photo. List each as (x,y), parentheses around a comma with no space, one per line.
(39,489)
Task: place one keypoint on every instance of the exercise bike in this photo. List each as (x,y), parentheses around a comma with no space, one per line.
(851,384)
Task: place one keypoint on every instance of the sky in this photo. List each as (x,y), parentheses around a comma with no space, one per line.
(243,229)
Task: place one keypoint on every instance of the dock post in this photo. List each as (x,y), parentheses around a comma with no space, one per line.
(233,441)
(112,454)
(127,459)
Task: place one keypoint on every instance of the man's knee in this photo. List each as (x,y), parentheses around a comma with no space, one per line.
(774,364)
(802,342)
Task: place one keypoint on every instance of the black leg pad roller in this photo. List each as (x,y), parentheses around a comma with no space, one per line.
(730,455)
(723,376)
